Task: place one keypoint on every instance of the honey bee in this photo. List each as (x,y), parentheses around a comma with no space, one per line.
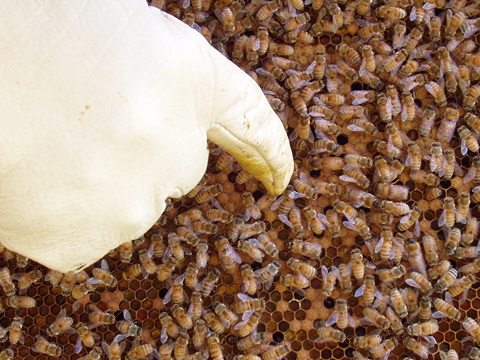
(208,283)
(470,252)
(329,280)
(441,268)
(449,355)
(132,272)
(214,347)
(266,274)
(303,268)
(471,97)
(452,241)
(25,280)
(446,280)
(419,281)
(427,121)
(468,141)
(368,290)
(175,292)
(445,309)
(127,327)
(430,248)
(140,351)
(180,347)
(369,31)
(228,316)
(358,265)
(298,80)
(372,316)
(169,328)
(54,277)
(333,220)
(327,334)
(196,214)
(249,325)
(367,341)
(85,337)
(196,305)
(332,99)
(390,275)
(247,304)
(42,346)
(268,245)
(6,282)
(392,63)
(417,347)
(308,249)
(183,318)
(460,286)
(448,216)
(249,283)
(472,352)
(21,302)
(228,256)
(199,333)
(437,92)
(302,186)
(414,158)
(15,331)
(62,324)
(191,275)
(384,348)
(219,215)
(470,232)
(341,316)
(250,341)
(99,317)
(368,61)
(166,269)
(413,39)
(276,352)
(201,255)
(296,281)
(103,274)
(450,165)
(425,328)
(455,23)
(7,354)
(158,245)
(208,193)
(394,208)
(470,268)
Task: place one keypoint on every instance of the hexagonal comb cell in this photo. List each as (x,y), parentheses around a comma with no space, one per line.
(372,249)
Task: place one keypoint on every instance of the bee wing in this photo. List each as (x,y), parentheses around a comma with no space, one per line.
(240,324)
(347,179)
(413,283)
(470,175)
(378,246)
(463,147)
(438,315)
(168,296)
(276,203)
(350,225)
(324,272)
(127,316)
(416,229)
(120,337)
(163,333)
(78,345)
(104,265)
(283,218)
(469,328)
(353,127)
(106,348)
(332,319)
(244,297)
(442,218)
(311,67)
(269,283)
(359,291)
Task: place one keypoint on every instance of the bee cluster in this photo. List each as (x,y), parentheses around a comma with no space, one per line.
(371,252)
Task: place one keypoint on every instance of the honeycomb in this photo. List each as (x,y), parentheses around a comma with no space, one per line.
(380,103)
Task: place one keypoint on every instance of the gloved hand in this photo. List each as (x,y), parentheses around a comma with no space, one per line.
(106,107)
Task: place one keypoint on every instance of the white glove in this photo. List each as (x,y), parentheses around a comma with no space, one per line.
(105,111)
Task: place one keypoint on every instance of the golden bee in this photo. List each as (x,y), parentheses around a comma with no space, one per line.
(42,346)
(21,302)
(62,324)
(308,249)
(103,274)
(249,283)
(208,193)
(302,267)
(340,316)
(417,280)
(25,280)
(445,309)
(6,282)
(276,352)
(175,292)
(127,327)
(327,334)
(199,333)
(425,328)
(247,326)
(468,141)
(367,341)
(395,322)
(472,352)
(132,271)
(384,348)
(266,274)
(247,304)
(208,283)
(390,275)
(417,347)
(372,316)
(85,337)
(448,124)
(295,281)
(448,216)
(166,269)
(140,351)
(226,314)
(250,341)
(15,331)
(367,290)
(169,328)
(214,347)
(228,256)
(180,347)
(394,208)
(423,177)
(430,247)
(452,241)
(99,317)
(268,245)
(183,318)
(460,286)
(158,245)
